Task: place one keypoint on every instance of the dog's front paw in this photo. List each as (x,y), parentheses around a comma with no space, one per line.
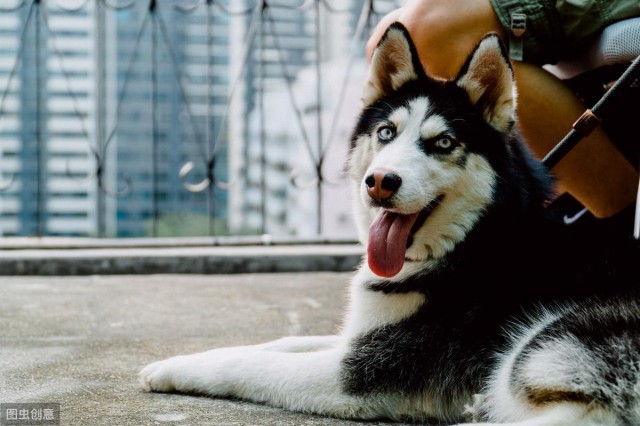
(202,373)
(160,376)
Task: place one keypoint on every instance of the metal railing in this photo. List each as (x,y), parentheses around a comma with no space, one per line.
(157,118)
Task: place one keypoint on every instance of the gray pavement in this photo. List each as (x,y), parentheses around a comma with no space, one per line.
(80,340)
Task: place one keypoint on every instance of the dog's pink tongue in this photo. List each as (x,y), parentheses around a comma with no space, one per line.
(388,235)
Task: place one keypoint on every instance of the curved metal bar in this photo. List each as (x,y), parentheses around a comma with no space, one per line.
(99,172)
(110,192)
(238,12)
(315,182)
(365,16)
(225,185)
(125,82)
(74,98)
(188,8)
(398,3)
(14,8)
(320,178)
(6,184)
(70,9)
(70,174)
(205,183)
(295,175)
(296,181)
(306,5)
(192,187)
(19,54)
(220,183)
(288,85)
(114,6)
(72,95)
(98,175)
(176,69)
(251,34)
(188,167)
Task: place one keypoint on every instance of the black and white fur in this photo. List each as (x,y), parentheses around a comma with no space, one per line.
(498,314)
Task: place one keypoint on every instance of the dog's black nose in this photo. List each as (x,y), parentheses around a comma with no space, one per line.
(382,184)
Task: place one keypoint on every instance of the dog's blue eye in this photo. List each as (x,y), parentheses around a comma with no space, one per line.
(386,133)
(444,143)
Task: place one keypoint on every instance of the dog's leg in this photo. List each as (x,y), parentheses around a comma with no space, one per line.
(299,380)
(563,414)
(302,344)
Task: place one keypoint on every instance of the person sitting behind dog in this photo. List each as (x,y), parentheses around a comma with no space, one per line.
(536,32)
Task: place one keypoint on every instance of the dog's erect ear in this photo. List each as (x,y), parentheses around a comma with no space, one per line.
(487,77)
(393,63)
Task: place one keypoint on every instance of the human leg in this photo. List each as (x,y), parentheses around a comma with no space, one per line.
(444,31)
(594,172)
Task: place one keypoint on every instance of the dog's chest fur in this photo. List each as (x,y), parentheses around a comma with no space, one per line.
(441,354)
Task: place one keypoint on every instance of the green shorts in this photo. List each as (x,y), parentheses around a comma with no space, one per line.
(555,28)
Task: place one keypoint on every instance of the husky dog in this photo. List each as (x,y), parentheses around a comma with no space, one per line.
(473,304)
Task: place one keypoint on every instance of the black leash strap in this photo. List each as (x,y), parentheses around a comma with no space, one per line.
(592,117)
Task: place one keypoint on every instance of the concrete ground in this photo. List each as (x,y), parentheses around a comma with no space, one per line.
(80,340)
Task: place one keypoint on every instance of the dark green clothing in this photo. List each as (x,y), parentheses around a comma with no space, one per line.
(555,29)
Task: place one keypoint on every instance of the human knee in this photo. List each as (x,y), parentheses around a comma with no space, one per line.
(436,40)
(444,31)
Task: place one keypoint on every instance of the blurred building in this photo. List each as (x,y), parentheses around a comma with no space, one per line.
(111,117)
(297,119)
(45,130)
(133,93)
(172,67)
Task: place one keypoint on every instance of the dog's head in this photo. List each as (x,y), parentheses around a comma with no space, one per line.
(425,151)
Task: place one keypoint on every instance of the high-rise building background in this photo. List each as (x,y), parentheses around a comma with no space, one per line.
(147,118)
